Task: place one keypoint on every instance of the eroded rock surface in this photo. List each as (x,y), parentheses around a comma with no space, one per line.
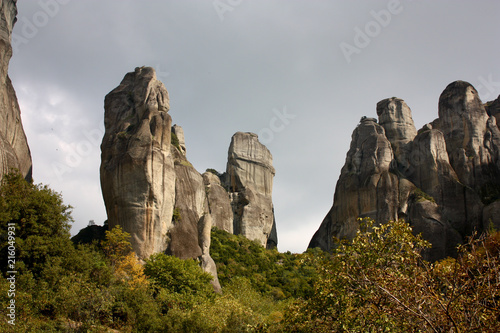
(14,150)
(438,179)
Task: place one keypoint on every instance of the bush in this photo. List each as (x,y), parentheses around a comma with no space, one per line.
(177,275)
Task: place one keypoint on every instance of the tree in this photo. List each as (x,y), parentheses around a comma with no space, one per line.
(116,245)
(177,275)
(379,282)
(39,222)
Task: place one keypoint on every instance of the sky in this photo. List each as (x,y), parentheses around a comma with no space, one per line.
(298,73)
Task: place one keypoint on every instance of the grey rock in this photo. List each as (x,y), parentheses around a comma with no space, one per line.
(464,123)
(148,185)
(250,181)
(190,205)
(219,202)
(14,149)
(207,263)
(179,133)
(438,179)
(491,213)
(493,109)
(395,117)
(366,187)
(427,220)
(137,168)
(432,172)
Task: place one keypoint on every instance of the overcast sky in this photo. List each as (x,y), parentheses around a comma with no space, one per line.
(300,74)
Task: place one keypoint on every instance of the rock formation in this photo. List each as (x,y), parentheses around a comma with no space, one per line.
(156,195)
(14,150)
(444,180)
(249,177)
(219,202)
(137,169)
(149,187)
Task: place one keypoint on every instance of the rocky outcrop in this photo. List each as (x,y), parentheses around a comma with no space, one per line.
(467,129)
(438,179)
(148,185)
(366,187)
(395,117)
(14,150)
(189,235)
(493,109)
(137,168)
(249,177)
(156,195)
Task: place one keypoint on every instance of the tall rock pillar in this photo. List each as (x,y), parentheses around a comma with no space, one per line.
(250,180)
(137,169)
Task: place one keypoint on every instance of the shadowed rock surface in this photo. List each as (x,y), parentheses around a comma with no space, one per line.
(14,150)
(219,202)
(444,180)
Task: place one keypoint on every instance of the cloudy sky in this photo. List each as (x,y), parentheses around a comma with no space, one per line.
(299,73)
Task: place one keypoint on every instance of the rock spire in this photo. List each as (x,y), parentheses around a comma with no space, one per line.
(444,179)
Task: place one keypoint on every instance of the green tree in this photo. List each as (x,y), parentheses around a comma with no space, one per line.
(40,219)
(177,275)
(116,245)
(379,282)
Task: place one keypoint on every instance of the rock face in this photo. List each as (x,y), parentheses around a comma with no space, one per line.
(249,177)
(14,150)
(444,180)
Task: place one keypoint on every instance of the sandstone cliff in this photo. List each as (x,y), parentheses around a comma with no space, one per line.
(443,179)
(14,150)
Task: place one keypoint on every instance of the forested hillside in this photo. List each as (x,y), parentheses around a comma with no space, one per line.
(376,282)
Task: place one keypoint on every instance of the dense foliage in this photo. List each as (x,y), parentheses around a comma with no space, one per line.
(283,275)
(377,282)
